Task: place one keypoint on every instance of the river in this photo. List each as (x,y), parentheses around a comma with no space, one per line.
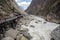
(40,29)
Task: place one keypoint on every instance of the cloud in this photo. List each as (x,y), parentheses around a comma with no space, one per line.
(18,1)
(24,4)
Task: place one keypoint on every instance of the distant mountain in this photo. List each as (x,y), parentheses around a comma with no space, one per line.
(49,9)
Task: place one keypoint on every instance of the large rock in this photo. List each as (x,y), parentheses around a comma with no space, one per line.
(24,38)
(55,34)
(7,38)
(19,36)
(11,33)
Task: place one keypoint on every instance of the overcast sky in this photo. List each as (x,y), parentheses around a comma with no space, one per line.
(23,3)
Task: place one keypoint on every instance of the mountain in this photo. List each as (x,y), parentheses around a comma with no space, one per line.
(49,9)
(8,8)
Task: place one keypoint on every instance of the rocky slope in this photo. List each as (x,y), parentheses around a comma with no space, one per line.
(8,8)
(49,9)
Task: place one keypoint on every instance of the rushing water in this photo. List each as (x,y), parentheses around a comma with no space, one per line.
(39,29)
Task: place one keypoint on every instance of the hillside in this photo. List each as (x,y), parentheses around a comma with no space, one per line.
(49,9)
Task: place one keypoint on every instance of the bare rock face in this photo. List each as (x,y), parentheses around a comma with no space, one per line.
(8,8)
(49,9)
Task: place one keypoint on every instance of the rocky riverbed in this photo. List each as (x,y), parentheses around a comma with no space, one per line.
(30,27)
(37,27)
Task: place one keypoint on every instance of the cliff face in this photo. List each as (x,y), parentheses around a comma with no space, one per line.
(10,15)
(35,6)
(8,8)
(49,9)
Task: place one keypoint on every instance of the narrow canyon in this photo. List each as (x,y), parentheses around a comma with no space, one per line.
(40,21)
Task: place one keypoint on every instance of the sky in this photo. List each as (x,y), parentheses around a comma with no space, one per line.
(24,3)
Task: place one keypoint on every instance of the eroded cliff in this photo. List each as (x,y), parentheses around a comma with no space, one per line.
(49,9)
(8,8)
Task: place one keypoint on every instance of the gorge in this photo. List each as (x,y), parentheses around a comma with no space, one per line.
(39,22)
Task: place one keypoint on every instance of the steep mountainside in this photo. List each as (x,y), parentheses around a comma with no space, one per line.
(8,8)
(49,9)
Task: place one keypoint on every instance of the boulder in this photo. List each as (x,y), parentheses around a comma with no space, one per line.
(7,38)
(55,34)
(11,33)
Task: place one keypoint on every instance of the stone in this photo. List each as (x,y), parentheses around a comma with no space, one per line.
(18,27)
(39,21)
(19,36)
(7,38)
(36,22)
(44,22)
(27,35)
(24,38)
(32,25)
(11,33)
(52,39)
(55,34)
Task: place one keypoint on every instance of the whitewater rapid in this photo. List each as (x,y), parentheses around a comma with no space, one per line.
(39,29)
